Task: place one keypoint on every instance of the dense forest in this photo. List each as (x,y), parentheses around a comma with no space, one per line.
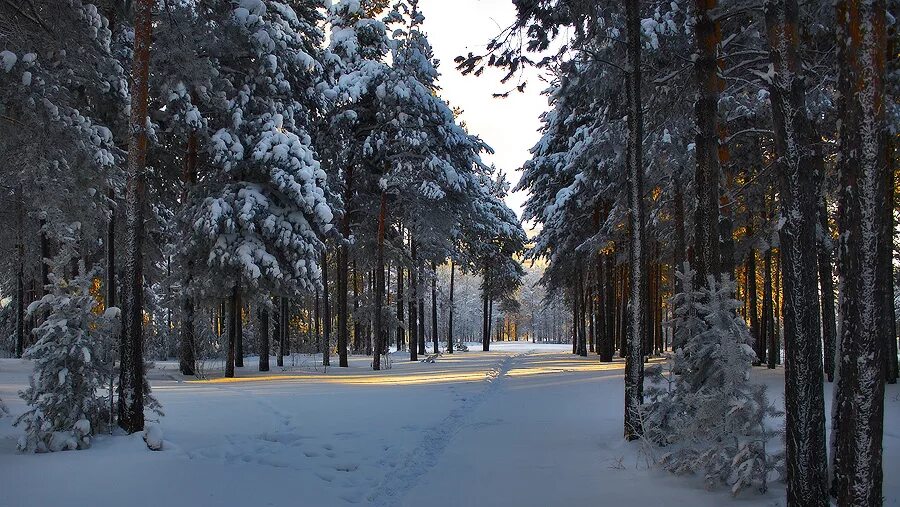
(713,192)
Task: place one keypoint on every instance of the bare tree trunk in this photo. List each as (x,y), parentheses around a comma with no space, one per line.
(20,272)
(590,316)
(343,261)
(768,311)
(893,368)
(807,478)
(238,329)
(326,339)
(263,338)
(433,304)
(450,310)
(234,311)
(286,326)
(608,304)
(759,345)
(413,299)
(582,338)
(486,317)
(634,363)
(187,358)
(826,286)
(858,422)
(706,238)
(401,331)
(378,347)
(276,331)
(131,371)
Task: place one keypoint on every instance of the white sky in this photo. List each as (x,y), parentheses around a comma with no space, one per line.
(510,125)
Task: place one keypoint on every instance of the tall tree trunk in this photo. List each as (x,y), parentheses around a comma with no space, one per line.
(401,331)
(826,285)
(286,326)
(451,308)
(887,251)
(263,333)
(608,303)
(582,338)
(486,317)
(238,329)
(706,237)
(759,345)
(590,315)
(414,294)
(413,298)
(234,311)
(434,332)
(807,477)
(187,358)
(131,370)
(768,312)
(326,339)
(342,281)
(859,400)
(357,324)
(622,310)
(276,331)
(20,272)
(378,347)
(634,364)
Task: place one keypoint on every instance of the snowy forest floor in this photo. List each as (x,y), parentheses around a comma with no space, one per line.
(524,425)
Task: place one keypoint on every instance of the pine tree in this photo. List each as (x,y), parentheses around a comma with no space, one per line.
(64,395)
(702,406)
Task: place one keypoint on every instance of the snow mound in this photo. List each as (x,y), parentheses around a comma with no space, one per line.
(154,437)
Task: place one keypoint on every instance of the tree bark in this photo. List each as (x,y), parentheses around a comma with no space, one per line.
(826,286)
(286,326)
(413,299)
(590,315)
(858,420)
(887,251)
(433,304)
(326,317)
(706,237)
(20,272)
(234,310)
(378,347)
(263,338)
(401,331)
(486,317)
(450,309)
(187,360)
(131,370)
(238,329)
(343,272)
(634,364)
(759,345)
(807,478)
(276,332)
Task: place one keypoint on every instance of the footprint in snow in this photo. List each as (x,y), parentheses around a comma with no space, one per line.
(327,477)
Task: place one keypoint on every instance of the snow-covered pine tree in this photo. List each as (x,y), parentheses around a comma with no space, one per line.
(701,405)
(263,204)
(66,404)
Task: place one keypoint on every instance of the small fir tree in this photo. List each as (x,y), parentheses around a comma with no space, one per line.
(701,404)
(66,407)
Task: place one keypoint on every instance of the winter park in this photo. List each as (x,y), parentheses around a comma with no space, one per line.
(449,253)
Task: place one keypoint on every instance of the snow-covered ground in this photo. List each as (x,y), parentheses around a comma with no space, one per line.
(523,425)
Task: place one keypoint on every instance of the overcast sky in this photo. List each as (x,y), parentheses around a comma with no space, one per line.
(510,126)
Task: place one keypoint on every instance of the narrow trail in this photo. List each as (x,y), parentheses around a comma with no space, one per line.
(435,440)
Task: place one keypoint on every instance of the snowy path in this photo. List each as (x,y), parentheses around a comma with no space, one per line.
(522,425)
